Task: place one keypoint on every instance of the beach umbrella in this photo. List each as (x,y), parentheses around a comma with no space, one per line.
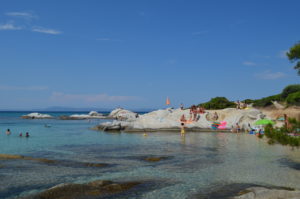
(264,122)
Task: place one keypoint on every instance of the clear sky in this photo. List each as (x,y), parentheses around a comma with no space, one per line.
(105,53)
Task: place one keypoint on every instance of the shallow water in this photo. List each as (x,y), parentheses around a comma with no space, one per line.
(195,165)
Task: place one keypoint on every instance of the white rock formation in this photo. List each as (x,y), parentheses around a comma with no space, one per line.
(36,116)
(265,193)
(123,115)
(95,113)
(91,115)
(170,118)
(277,105)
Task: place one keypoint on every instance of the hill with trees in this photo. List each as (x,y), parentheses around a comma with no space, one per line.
(289,96)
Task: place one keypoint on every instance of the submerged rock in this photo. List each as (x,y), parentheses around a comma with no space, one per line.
(155,159)
(36,116)
(112,126)
(89,190)
(267,193)
(247,191)
(10,156)
(52,162)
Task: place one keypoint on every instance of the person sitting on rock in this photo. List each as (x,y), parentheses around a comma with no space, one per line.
(191,114)
(238,104)
(194,113)
(215,117)
(182,119)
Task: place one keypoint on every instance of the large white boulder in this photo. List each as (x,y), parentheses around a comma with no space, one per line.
(123,115)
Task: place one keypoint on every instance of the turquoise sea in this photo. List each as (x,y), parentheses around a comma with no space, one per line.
(199,165)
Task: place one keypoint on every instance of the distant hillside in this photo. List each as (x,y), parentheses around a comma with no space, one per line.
(290,95)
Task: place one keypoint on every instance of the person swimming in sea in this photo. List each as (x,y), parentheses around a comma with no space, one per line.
(27,134)
(8,132)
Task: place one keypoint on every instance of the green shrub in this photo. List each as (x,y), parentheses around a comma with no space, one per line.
(249,101)
(218,103)
(280,134)
(260,136)
(267,101)
(293,98)
(290,89)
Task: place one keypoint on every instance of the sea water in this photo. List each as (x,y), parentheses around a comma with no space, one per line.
(196,164)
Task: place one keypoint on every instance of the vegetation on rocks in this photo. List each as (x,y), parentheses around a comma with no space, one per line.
(294,98)
(281,135)
(290,95)
(218,103)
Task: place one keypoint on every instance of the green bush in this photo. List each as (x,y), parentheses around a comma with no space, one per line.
(218,103)
(293,98)
(290,89)
(280,135)
(267,101)
(248,101)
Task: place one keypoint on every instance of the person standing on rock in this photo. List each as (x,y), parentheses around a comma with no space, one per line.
(181,106)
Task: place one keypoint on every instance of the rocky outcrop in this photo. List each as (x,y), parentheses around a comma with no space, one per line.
(169,119)
(155,159)
(36,116)
(277,105)
(267,193)
(112,126)
(52,162)
(123,115)
(95,189)
(91,115)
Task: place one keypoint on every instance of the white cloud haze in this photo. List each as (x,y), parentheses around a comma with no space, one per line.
(25,15)
(268,75)
(64,97)
(249,63)
(9,26)
(22,88)
(46,30)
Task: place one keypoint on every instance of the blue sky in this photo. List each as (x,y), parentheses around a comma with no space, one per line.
(136,53)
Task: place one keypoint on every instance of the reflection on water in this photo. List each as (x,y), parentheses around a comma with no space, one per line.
(196,164)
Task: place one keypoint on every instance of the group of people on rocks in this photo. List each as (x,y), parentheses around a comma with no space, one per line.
(194,114)
(8,132)
(241,105)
